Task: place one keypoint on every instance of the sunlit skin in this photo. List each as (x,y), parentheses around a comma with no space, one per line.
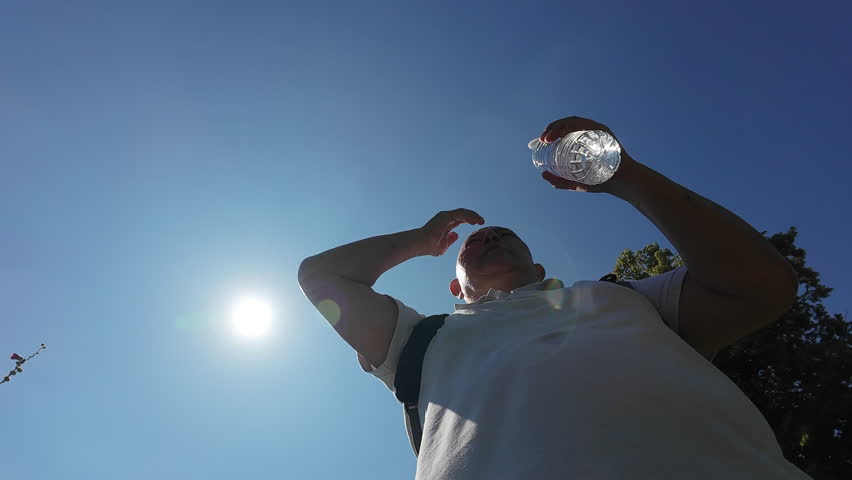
(493,257)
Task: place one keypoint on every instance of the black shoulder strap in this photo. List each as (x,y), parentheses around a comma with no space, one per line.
(611,277)
(408,372)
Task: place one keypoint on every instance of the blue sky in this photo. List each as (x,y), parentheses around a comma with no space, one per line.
(158,160)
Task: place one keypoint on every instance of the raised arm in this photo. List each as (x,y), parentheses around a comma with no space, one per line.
(339,281)
(737,282)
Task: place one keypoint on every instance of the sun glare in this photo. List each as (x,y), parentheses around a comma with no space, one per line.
(252,316)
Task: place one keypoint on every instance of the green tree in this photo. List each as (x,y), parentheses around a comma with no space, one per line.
(797,371)
(648,262)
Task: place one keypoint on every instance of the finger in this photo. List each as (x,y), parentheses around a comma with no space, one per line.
(565,126)
(565,184)
(550,132)
(550,128)
(559,182)
(475,218)
(468,216)
(453,224)
(554,130)
(556,133)
(551,178)
(448,240)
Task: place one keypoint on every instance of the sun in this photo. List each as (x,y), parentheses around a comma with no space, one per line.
(251,316)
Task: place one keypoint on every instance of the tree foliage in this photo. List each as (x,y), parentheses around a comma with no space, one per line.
(647,262)
(797,371)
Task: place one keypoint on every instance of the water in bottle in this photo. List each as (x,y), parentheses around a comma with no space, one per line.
(590,157)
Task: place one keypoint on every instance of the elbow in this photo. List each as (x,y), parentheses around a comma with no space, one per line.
(794,282)
(773,290)
(792,291)
(307,278)
(789,288)
(306,270)
(786,289)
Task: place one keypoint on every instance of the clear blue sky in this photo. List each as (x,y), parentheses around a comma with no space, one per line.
(157,160)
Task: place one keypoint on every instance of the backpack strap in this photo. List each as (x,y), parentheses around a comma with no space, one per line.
(408,372)
(611,277)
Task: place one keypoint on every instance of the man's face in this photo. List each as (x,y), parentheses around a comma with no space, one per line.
(492,250)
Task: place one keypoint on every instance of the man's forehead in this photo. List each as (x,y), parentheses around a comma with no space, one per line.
(496,229)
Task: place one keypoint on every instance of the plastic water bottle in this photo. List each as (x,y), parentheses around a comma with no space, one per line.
(590,157)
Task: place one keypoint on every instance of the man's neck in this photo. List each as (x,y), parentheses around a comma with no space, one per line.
(504,283)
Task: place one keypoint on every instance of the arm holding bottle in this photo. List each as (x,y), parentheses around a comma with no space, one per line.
(737,282)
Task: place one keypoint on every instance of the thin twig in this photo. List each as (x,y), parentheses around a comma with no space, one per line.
(19,360)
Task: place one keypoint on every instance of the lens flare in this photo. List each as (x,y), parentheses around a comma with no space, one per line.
(330,310)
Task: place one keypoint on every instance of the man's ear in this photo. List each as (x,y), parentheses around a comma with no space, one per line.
(455,287)
(541,272)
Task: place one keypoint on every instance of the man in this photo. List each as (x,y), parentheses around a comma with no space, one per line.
(532,379)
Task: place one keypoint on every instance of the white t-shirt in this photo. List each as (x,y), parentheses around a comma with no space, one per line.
(588,382)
